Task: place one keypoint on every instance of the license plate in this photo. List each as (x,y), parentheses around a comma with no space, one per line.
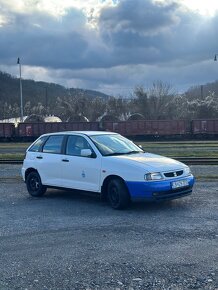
(179,183)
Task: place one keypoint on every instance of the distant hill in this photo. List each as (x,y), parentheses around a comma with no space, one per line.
(38,92)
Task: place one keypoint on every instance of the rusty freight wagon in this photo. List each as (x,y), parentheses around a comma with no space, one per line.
(149,127)
(205,127)
(7,131)
(34,130)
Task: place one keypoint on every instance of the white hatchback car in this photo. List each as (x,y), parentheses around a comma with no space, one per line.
(106,163)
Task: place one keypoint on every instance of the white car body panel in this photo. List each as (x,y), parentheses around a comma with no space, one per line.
(51,173)
(81,173)
(134,167)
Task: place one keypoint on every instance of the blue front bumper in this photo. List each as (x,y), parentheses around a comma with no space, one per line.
(158,190)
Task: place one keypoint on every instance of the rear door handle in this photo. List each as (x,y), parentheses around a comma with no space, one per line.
(39,157)
(65,160)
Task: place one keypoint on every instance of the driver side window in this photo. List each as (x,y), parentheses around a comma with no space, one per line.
(75,144)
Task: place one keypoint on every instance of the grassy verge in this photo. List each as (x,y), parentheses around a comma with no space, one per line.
(170,149)
(14,145)
(182,149)
(182,152)
(11,156)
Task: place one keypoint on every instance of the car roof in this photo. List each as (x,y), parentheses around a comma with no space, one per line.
(87,133)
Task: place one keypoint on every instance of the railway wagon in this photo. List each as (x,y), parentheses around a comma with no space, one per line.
(149,127)
(7,130)
(204,127)
(34,130)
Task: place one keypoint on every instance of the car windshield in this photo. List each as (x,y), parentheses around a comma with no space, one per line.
(115,144)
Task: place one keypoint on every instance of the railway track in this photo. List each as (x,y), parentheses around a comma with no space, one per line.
(198,160)
(186,160)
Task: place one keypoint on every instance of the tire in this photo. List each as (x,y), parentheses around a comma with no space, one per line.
(118,195)
(34,184)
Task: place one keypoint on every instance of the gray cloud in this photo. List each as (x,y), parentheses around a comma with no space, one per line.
(154,34)
(162,38)
(42,40)
(139,17)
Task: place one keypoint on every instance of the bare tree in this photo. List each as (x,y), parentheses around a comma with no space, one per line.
(117,107)
(154,103)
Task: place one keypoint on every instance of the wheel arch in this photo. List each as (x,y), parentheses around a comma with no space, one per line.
(28,171)
(106,182)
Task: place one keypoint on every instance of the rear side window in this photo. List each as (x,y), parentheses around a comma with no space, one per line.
(36,147)
(53,144)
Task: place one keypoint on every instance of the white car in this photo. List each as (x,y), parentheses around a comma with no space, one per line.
(106,163)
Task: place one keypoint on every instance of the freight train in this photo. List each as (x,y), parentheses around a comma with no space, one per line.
(203,128)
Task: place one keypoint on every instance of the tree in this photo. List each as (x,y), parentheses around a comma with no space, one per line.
(154,103)
(117,107)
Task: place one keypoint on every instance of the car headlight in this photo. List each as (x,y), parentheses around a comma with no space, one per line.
(187,171)
(153,176)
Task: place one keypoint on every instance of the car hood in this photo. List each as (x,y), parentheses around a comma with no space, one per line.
(151,162)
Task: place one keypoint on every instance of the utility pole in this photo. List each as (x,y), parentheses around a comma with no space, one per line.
(21,91)
(46,99)
(202,92)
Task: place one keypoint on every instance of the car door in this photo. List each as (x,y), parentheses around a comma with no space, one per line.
(80,172)
(49,160)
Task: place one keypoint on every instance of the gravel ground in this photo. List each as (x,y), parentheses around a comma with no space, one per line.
(69,240)
(10,171)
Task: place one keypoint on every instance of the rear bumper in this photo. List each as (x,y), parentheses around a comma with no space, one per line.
(159,190)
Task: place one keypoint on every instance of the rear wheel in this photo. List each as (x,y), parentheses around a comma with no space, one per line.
(118,195)
(34,184)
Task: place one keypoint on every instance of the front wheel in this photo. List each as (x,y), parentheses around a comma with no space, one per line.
(34,184)
(118,195)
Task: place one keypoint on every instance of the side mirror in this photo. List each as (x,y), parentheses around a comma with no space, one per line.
(86,153)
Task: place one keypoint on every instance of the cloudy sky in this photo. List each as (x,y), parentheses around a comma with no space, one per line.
(111,45)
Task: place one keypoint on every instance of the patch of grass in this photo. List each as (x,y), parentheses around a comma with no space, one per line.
(183,153)
(182,149)
(165,148)
(175,144)
(11,156)
(11,145)
(212,142)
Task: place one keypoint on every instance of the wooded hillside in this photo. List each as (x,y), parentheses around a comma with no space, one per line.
(36,95)
(155,103)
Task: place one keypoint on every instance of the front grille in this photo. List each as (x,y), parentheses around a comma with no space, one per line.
(173,173)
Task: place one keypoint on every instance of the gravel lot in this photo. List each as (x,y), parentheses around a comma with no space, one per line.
(69,240)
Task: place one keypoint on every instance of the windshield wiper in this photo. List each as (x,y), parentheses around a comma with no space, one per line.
(134,152)
(123,153)
(115,153)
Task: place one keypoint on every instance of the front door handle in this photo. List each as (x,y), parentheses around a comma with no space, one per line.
(65,160)
(39,157)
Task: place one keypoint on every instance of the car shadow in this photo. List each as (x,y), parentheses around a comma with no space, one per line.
(72,195)
(178,204)
(90,198)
